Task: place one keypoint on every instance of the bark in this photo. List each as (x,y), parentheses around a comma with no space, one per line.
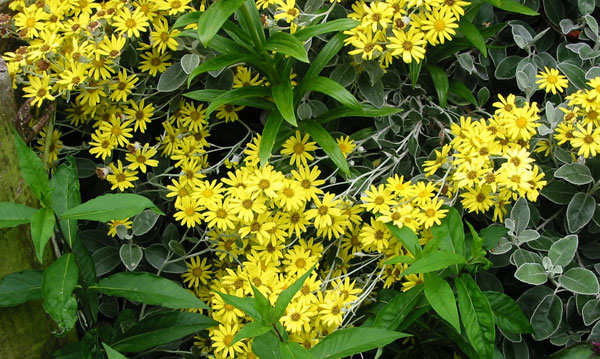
(25,330)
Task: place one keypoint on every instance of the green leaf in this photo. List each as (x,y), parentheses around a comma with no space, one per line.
(441,297)
(65,195)
(492,235)
(332,48)
(520,214)
(435,261)
(269,135)
(292,350)
(459,88)
(172,79)
(214,17)
(33,170)
(580,280)
(574,73)
(512,6)
(471,33)
(288,293)
(563,251)
(414,70)
(211,95)
(346,342)
(559,192)
(591,312)
(394,312)
(365,111)
(42,228)
(58,283)
(555,11)
(20,287)
(251,25)
(507,314)
(547,316)
(531,273)
(449,235)
(230,97)
(284,100)
(400,259)
(407,237)
(580,211)
(330,88)
(323,28)
(440,81)
(284,43)
(327,143)
(247,305)
(111,353)
(476,315)
(161,328)
(144,222)
(218,63)
(266,346)
(131,255)
(251,330)
(186,19)
(575,173)
(586,6)
(13,214)
(579,351)
(111,206)
(149,289)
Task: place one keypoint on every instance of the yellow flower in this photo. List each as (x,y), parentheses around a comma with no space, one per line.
(408,45)
(439,26)
(551,80)
(378,199)
(112,46)
(431,213)
(308,179)
(121,178)
(331,310)
(102,145)
(219,214)
(376,236)
(243,77)
(229,112)
(179,190)
(325,209)
(174,6)
(32,20)
(122,88)
(298,147)
(197,272)
(73,76)
(377,14)
(297,318)
(39,89)
(346,145)
(54,147)
(188,213)
(130,23)
(411,281)
(112,225)
(222,338)
(154,62)
(366,45)
(287,10)
(587,139)
(142,157)
(478,199)
(161,38)
(140,113)
(117,130)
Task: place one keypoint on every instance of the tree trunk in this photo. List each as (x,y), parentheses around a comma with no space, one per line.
(25,330)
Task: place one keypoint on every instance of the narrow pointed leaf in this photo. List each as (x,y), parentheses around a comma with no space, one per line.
(210,95)
(246,304)
(13,214)
(251,330)
(332,48)
(346,342)
(284,100)
(111,206)
(435,261)
(32,169)
(230,97)
(65,195)
(284,43)
(111,353)
(58,283)
(20,287)
(398,309)
(42,228)
(440,81)
(287,294)
(217,63)
(364,111)
(323,28)
(214,17)
(441,297)
(330,88)
(269,135)
(470,32)
(327,143)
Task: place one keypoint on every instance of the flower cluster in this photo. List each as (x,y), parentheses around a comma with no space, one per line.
(402,28)
(488,163)
(580,126)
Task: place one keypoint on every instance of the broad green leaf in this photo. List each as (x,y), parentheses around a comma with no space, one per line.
(330,88)
(65,195)
(186,19)
(131,255)
(214,17)
(586,6)
(149,289)
(20,287)
(441,297)
(42,228)
(161,328)
(507,67)
(520,214)
(111,353)
(269,135)
(492,235)
(546,317)
(476,315)
(263,305)
(323,28)
(332,48)
(555,11)
(563,251)
(218,63)
(531,273)
(13,214)
(574,73)
(144,222)
(471,33)
(459,88)
(33,170)
(512,6)
(327,143)
(394,312)
(434,261)
(284,100)
(440,81)
(591,312)
(288,293)
(507,314)
(407,237)
(247,305)
(400,259)
(580,280)
(189,62)
(251,330)
(365,111)
(292,350)
(230,97)
(266,346)
(580,211)
(346,342)
(172,79)
(449,235)
(579,351)
(111,206)
(58,283)
(284,43)
(575,173)
(559,192)
(210,95)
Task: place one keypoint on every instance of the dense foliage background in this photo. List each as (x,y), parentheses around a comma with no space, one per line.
(282,179)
